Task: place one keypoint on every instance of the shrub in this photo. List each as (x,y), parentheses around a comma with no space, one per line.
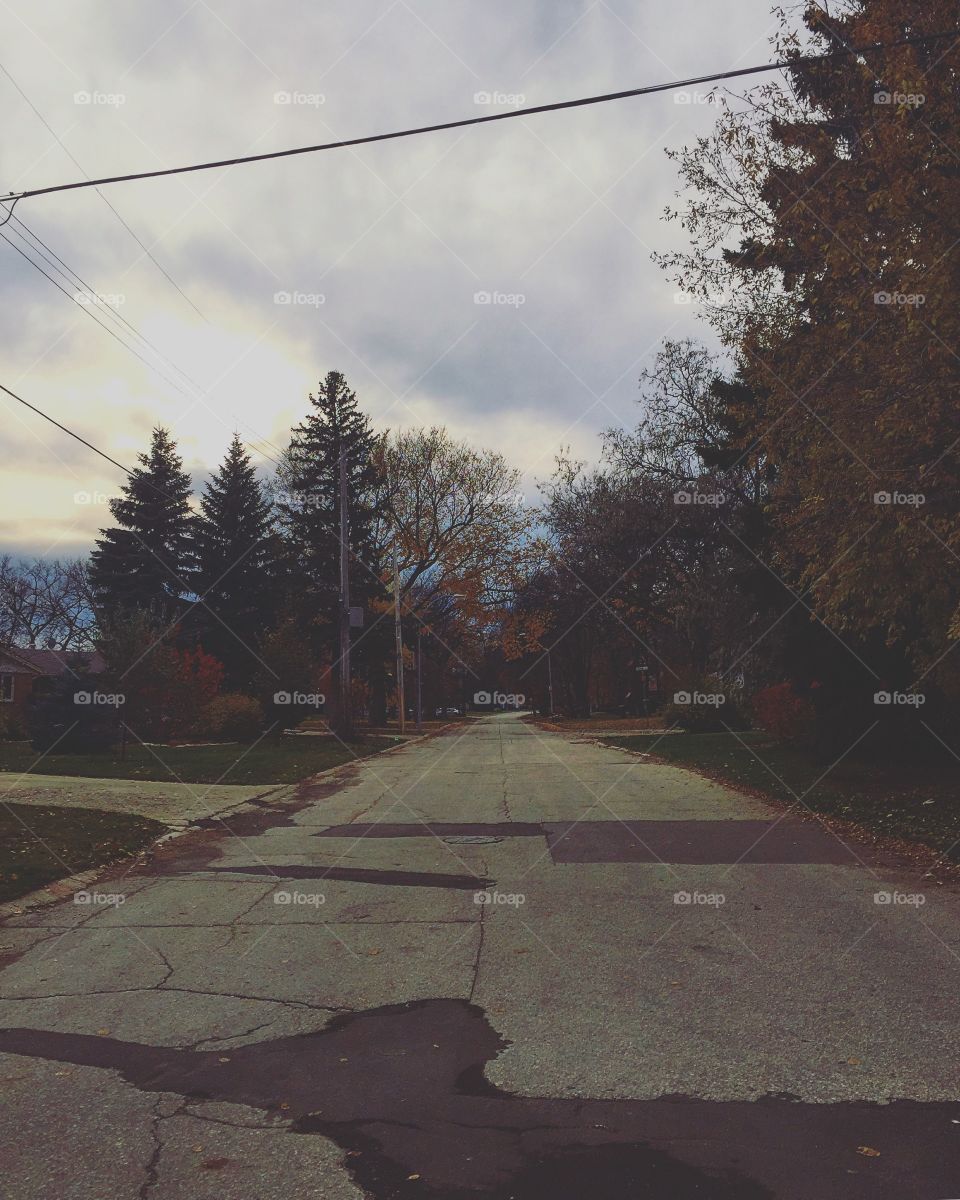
(58,722)
(289,665)
(166,688)
(707,709)
(13,727)
(785,713)
(232,717)
(195,685)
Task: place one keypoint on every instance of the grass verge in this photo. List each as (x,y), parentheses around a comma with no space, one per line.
(917,804)
(267,761)
(40,845)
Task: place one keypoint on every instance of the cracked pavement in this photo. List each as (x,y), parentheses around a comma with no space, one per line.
(498,963)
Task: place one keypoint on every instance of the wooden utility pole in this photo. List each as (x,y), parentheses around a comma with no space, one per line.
(419,683)
(398,630)
(346,698)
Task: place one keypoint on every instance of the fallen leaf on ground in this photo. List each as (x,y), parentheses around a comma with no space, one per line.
(868,1151)
(214,1164)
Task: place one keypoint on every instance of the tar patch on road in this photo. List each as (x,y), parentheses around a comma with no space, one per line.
(440,829)
(402,1091)
(433,879)
(696,842)
(677,842)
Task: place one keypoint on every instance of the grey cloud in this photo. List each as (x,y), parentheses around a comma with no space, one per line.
(396,296)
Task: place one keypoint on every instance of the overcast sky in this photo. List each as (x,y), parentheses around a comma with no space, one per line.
(382,251)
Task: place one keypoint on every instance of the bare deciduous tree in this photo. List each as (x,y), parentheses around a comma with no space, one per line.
(45,603)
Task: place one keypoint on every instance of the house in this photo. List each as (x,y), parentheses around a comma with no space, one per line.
(22,671)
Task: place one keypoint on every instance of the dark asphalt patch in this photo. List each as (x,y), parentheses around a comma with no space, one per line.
(675,842)
(440,829)
(696,842)
(203,843)
(402,1090)
(434,879)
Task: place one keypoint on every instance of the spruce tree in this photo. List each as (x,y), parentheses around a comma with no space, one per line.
(143,561)
(309,506)
(309,511)
(234,550)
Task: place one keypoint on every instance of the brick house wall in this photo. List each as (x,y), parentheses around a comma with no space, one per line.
(16,687)
(23,670)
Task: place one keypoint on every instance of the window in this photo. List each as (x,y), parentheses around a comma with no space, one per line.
(6,689)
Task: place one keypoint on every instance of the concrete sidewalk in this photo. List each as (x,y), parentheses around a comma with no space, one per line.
(172,803)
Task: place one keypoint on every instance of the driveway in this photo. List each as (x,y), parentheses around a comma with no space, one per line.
(499,963)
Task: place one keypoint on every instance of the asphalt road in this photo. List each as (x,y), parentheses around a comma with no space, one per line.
(497,963)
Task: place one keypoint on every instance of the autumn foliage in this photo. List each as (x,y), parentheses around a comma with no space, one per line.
(782,711)
(823,217)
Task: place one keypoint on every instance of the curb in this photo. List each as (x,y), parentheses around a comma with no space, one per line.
(60,889)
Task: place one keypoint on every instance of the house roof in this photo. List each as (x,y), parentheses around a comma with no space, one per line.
(53,662)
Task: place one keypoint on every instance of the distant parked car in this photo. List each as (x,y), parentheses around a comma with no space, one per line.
(453,712)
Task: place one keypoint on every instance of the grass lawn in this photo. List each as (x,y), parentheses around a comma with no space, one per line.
(268,761)
(39,845)
(918,803)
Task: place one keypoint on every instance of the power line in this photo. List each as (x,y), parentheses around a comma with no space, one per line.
(94,317)
(146,249)
(69,432)
(76,436)
(556,106)
(38,246)
(66,272)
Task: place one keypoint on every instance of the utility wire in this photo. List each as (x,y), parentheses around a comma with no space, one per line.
(782,64)
(14,197)
(146,249)
(91,313)
(76,436)
(67,273)
(38,246)
(69,432)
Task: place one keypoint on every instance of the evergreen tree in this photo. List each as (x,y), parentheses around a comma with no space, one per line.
(309,507)
(143,561)
(309,510)
(235,553)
